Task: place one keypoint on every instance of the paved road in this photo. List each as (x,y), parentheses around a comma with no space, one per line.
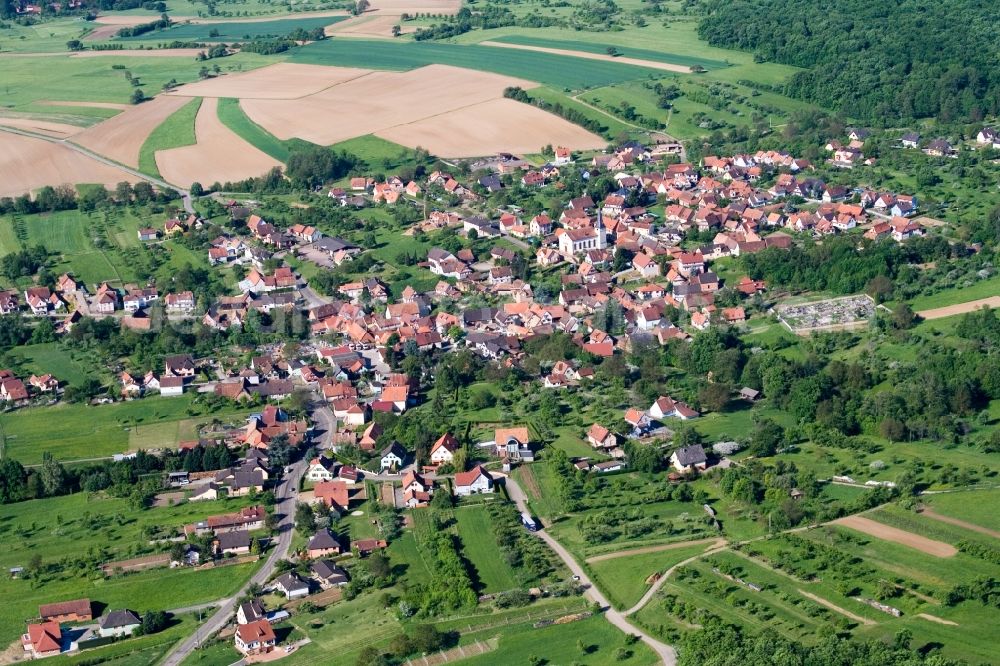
(185,195)
(666,652)
(286,493)
(313,300)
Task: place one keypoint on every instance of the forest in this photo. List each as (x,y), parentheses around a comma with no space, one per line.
(879,62)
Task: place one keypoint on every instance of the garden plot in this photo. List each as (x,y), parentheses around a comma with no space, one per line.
(830,314)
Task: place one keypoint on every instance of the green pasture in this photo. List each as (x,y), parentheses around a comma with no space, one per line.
(480,548)
(174,132)
(623,579)
(625,51)
(76,432)
(234,31)
(979,507)
(556,70)
(65,364)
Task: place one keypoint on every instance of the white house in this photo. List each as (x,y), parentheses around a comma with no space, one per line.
(392,456)
(444,449)
(321,469)
(118,623)
(290,585)
(689,458)
(255,637)
(474,482)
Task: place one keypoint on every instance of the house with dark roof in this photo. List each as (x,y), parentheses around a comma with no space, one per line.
(290,585)
(328,574)
(119,623)
(250,611)
(392,456)
(689,458)
(236,542)
(323,544)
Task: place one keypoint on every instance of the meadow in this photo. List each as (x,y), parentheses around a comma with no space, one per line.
(95,525)
(623,579)
(230,31)
(624,51)
(480,547)
(546,68)
(65,364)
(77,432)
(174,132)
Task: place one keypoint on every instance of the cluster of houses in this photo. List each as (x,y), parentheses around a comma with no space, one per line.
(46,637)
(14,391)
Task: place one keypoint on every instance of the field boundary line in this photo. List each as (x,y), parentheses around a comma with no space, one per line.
(719,541)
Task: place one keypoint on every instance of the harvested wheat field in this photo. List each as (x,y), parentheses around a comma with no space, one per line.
(279,81)
(902,537)
(370,25)
(499,125)
(652,64)
(93,105)
(122,136)
(219,156)
(46,127)
(379,101)
(28,164)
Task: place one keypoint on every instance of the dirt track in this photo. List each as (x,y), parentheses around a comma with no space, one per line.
(930,513)
(652,64)
(902,537)
(655,549)
(939,620)
(837,609)
(960,308)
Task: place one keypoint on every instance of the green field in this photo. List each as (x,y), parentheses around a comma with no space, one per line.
(601,48)
(979,507)
(970,292)
(102,529)
(66,365)
(174,132)
(29,80)
(556,70)
(480,548)
(232,116)
(231,31)
(75,432)
(623,579)
(560,644)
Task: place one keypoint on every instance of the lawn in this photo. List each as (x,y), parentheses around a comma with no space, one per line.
(74,432)
(139,651)
(174,132)
(623,579)
(230,31)
(624,51)
(561,643)
(480,548)
(556,70)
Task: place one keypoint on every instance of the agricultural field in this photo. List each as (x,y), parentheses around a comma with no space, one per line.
(218,156)
(683,60)
(174,132)
(550,69)
(77,432)
(123,137)
(234,31)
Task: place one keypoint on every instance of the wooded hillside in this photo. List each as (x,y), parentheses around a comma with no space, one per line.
(878,62)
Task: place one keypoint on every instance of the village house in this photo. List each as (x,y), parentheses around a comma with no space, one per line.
(42,640)
(255,637)
(328,574)
(474,482)
(513,444)
(119,623)
(291,585)
(323,544)
(250,611)
(600,437)
(667,407)
(321,469)
(78,610)
(689,459)
(443,450)
(392,457)
(332,493)
(236,542)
